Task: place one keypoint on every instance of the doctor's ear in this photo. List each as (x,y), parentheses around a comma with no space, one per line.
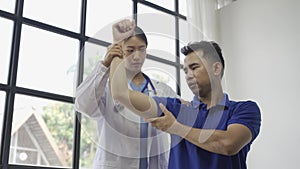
(217,68)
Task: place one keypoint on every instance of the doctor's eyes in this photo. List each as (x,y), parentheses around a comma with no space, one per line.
(130,51)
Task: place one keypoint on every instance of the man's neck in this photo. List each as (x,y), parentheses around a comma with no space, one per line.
(212,98)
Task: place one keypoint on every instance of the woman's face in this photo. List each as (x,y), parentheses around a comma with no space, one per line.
(134,50)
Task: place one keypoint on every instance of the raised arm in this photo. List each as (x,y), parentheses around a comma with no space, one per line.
(137,102)
(90,91)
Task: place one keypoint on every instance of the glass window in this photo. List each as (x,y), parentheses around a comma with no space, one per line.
(160,72)
(168,4)
(8,5)
(42,132)
(88,142)
(47,61)
(6,39)
(183,32)
(93,53)
(101,16)
(182,7)
(160,38)
(64,14)
(2,102)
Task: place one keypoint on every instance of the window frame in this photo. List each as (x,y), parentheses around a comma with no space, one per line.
(11,89)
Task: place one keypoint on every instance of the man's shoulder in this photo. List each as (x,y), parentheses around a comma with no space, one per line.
(244,104)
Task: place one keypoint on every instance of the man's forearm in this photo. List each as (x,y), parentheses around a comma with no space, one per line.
(137,102)
(216,141)
(118,80)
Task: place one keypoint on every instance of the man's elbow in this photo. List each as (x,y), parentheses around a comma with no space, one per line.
(227,149)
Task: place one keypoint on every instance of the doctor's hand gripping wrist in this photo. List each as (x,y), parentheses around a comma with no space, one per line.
(114,50)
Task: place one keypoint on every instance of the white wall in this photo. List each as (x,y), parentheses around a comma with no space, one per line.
(261,44)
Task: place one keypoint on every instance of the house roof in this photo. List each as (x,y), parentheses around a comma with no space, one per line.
(40,131)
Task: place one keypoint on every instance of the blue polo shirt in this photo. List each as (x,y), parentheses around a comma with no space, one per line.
(184,154)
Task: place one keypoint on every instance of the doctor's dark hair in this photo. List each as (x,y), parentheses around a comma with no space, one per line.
(210,50)
(138,32)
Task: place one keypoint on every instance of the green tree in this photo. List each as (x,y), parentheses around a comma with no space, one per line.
(59,118)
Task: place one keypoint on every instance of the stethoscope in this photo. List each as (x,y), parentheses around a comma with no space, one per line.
(118,107)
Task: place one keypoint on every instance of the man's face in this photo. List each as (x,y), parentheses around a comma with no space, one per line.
(196,69)
(135,53)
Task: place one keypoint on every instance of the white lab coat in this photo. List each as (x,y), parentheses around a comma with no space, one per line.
(119,131)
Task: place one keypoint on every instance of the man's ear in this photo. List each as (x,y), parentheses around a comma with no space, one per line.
(217,68)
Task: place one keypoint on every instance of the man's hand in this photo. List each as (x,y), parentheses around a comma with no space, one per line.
(122,30)
(167,123)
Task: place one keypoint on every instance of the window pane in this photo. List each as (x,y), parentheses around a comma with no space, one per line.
(101,15)
(168,4)
(184,33)
(60,13)
(47,61)
(8,5)
(160,72)
(182,7)
(92,55)
(2,102)
(6,38)
(161,38)
(42,132)
(88,142)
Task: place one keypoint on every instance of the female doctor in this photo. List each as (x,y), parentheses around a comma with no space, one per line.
(125,140)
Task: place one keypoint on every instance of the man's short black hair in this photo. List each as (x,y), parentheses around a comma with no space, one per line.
(209,48)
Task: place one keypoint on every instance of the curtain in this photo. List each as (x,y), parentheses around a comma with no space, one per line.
(202,20)
(222,3)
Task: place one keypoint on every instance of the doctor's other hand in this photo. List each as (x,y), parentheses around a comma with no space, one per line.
(122,29)
(114,50)
(167,123)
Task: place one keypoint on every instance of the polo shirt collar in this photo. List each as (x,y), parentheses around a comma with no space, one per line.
(196,103)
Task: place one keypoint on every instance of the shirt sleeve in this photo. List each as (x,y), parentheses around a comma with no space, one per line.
(248,114)
(90,94)
(159,100)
